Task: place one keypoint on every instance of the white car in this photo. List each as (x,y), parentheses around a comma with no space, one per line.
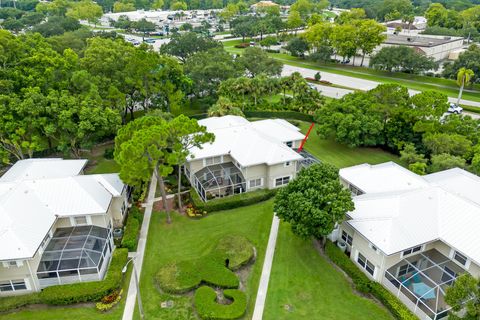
(454,108)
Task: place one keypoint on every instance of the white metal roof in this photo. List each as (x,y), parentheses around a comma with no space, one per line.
(30,169)
(24,222)
(383,177)
(278,129)
(29,207)
(247,142)
(440,208)
(457,181)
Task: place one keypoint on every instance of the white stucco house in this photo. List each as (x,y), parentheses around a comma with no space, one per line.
(414,234)
(245,156)
(56,223)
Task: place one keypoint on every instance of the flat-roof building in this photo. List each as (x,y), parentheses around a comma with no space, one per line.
(437,47)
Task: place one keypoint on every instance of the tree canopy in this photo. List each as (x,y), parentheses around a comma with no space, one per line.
(314,201)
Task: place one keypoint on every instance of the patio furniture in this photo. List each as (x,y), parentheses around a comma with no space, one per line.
(417,278)
(405,282)
(424,291)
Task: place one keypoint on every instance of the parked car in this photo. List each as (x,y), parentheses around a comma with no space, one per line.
(252,43)
(149,40)
(455,108)
(157,33)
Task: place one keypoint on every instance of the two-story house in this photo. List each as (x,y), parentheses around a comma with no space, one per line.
(56,224)
(245,156)
(414,234)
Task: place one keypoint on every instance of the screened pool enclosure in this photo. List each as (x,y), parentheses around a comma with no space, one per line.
(420,281)
(75,254)
(218,181)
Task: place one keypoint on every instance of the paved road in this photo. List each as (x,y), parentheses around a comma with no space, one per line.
(142,241)
(267,268)
(351,82)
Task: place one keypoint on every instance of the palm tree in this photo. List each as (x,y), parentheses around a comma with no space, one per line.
(463,78)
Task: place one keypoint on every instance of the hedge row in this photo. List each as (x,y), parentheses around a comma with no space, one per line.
(132,228)
(73,293)
(231,202)
(364,284)
(295,115)
(208,308)
(184,276)
(88,291)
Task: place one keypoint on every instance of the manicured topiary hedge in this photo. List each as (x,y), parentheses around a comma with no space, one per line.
(208,308)
(74,293)
(364,284)
(231,202)
(132,228)
(237,249)
(184,276)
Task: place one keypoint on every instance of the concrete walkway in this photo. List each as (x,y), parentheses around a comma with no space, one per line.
(132,289)
(267,268)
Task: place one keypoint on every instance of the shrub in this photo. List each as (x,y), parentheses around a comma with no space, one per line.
(14,302)
(108,153)
(242,45)
(360,280)
(184,276)
(130,235)
(205,301)
(395,306)
(88,291)
(279,114)
(109,301)
(74,293)
(365,285)
(237,249)
(235,201)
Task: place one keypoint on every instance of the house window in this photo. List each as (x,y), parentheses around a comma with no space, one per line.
(12,264)
(347,238)
(412,250)
(12,285)
(365,264)
(460,258)
(282,181)
(80,221)
(213,160)
(448,275)
(407,268)
(255,183)
(289,144)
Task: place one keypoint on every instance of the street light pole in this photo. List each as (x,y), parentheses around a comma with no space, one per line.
(139,298)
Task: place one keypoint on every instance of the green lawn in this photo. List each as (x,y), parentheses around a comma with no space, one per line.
(186,239)
(341,155)
(76,312)
(97,162)
(304,281)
